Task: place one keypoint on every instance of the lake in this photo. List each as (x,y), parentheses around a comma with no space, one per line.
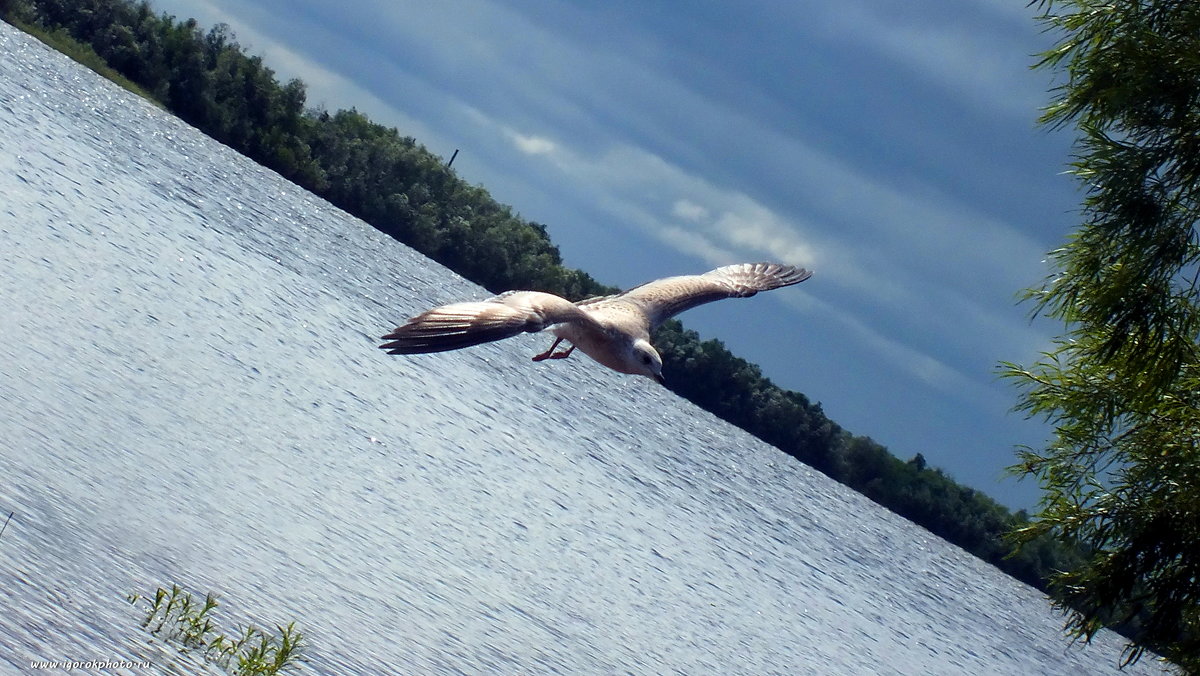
(191,393)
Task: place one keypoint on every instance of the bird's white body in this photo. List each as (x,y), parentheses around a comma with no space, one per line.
(613,330)
(607,340)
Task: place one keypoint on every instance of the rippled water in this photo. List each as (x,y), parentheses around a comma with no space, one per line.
(190,392)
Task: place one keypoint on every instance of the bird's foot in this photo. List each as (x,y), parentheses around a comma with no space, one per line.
(550,354)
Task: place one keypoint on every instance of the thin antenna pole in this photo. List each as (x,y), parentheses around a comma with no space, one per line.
(452,158)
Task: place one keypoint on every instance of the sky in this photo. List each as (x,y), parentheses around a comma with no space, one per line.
(890,147)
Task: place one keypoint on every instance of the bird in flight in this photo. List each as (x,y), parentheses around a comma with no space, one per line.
(613,330)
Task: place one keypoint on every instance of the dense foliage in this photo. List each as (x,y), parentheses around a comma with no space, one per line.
(399,187)
(1122,386)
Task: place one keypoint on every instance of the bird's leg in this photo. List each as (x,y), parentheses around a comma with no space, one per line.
(563,354)
(548,353)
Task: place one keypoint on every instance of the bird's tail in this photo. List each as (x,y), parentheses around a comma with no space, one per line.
(459,325)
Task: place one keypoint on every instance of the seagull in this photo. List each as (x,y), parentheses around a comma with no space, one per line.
(613,330)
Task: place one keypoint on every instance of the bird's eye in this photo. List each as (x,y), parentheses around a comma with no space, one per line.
(646,359)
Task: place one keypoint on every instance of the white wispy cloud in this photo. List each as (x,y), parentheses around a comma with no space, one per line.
(531,145)
(689,211)
(756,229)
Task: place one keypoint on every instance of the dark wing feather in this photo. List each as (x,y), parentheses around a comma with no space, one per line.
(460,325)
(457,326)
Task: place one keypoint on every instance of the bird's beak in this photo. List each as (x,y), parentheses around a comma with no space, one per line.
(660,380)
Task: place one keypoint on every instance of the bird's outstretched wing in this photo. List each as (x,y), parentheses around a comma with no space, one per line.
(459,325)
(664,298)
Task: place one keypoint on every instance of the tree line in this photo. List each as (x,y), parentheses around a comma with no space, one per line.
(398,186)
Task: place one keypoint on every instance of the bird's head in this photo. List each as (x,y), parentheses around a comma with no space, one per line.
(645,361)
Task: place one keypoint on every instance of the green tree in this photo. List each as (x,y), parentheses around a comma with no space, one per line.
(1122,385)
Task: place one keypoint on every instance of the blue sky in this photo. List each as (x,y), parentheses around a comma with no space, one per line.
(890,147)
